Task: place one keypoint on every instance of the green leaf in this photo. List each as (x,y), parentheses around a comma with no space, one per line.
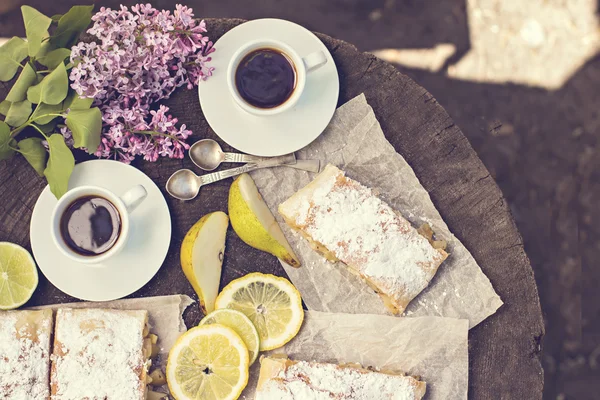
(86,126)
(36,28)
(15,48)
(26,78)
(56,17)
(55,57)
(46,48)
(11,54)
(18,113)
(74,102)
(60,165)
(35,153)
(5,140)
(34,93)
(4,107)
(39,114)
(47,128)
(71,25)
(52,89)
(40,78)
(81,103)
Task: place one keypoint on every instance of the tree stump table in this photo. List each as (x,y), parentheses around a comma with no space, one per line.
(503,350)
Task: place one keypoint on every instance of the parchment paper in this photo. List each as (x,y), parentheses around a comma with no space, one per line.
(164,317)
(354,142)
(434,348)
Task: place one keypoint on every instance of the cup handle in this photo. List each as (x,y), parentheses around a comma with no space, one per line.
(134,197)
(314,61)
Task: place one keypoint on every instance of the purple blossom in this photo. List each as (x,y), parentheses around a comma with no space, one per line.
(142,55)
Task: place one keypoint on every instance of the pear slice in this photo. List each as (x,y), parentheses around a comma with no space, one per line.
(202,254)
(254,223)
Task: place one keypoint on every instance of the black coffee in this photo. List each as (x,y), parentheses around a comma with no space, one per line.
(90,225)
(265,78)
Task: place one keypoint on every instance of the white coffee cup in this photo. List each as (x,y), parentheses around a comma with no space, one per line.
(302,66)
(124,205)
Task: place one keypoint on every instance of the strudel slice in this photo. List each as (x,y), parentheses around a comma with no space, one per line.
(25,354)
(283,379)
(346,221)
(100,355)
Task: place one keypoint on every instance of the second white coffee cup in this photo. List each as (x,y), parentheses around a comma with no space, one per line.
(124,205)
(302,65)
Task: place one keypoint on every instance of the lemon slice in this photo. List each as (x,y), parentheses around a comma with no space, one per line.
(208,362)
(272,303)
(18,276)
(240,324)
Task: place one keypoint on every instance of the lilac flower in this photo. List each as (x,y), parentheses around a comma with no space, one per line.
(141,56)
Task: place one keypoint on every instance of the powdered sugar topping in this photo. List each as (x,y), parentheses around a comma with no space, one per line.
(365,233)
(24,355)
(102,355)
(314,381)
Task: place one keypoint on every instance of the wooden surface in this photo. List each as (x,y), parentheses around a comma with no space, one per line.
(503,350)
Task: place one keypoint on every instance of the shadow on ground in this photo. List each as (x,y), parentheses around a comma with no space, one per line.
(541,146)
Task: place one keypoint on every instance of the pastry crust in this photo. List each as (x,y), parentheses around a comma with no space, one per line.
(284,379)
(99,354)
(346,221)
(25,354)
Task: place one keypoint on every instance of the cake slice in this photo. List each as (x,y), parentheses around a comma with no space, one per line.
(346,221)
(284,379)
(25,354)
(100,354)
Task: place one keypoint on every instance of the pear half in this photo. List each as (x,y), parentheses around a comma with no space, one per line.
(202,254)
(254,223)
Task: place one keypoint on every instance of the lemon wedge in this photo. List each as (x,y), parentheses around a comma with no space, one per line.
(272,303)
(18,276)
(208,362)
(240,324)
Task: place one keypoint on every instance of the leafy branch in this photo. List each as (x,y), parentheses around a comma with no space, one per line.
(44,82)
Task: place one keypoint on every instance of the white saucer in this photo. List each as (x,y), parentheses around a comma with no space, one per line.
(278,134)
(127,271)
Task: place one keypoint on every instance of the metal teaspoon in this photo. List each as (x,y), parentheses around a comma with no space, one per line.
(185,184)
(207,155)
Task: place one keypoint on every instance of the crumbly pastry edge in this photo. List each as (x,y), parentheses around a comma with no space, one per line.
(43,322)
(146,349)
(272,366)
(395,306)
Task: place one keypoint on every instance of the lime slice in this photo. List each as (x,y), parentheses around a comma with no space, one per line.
(240,324)
(208,362)
(18,276)
(272,303)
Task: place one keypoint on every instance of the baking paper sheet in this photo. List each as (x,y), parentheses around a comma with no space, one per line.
(354,142)
(433,348)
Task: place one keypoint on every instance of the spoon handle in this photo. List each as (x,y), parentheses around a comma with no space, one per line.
(242,158)
(228,173)
(307,165)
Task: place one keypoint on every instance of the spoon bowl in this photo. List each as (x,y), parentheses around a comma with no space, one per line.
(207,154)
(184,185)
